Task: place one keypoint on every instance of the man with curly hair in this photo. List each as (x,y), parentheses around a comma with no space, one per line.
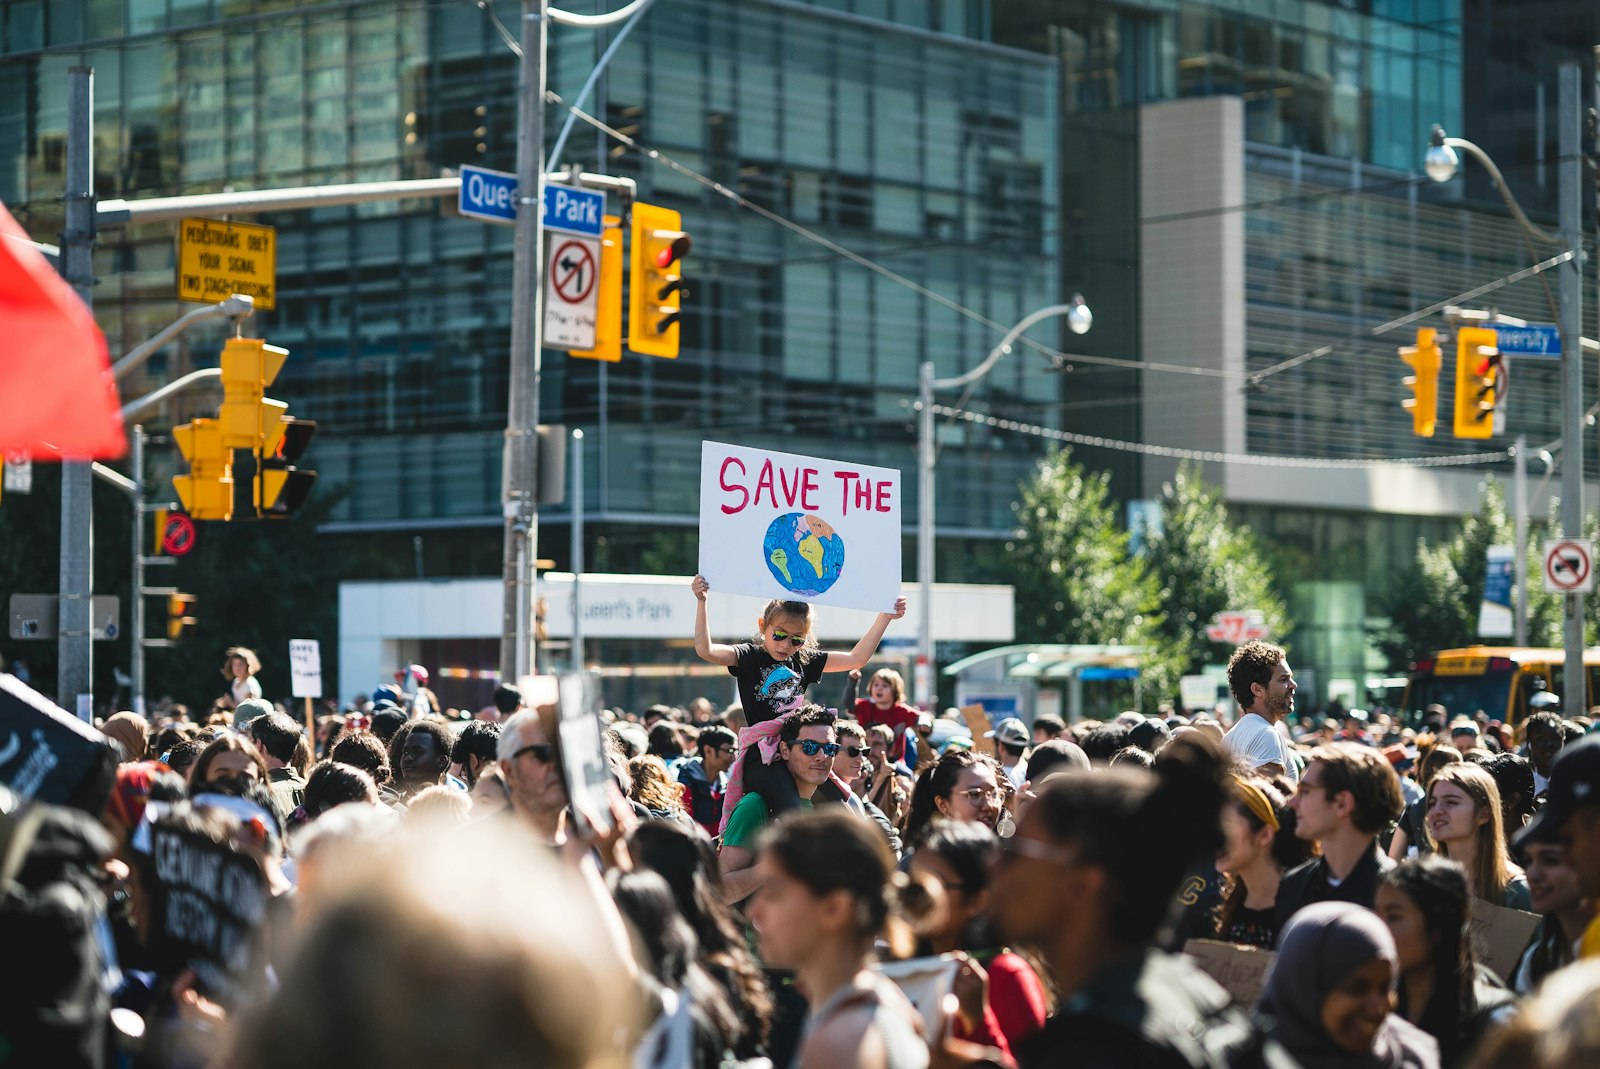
(1262,683)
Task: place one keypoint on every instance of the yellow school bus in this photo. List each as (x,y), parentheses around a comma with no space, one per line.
(1496,679)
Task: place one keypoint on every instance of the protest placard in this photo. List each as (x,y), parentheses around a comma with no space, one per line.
(207,899)
(780,525)
(925,982)
(977,719)
(1241,970)
(583,758)
(49,755)
(1500,935)
(305,668)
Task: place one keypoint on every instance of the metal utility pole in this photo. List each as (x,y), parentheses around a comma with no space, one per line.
(577,551)
(136,609)
(1519,556)
(518,655)
(74,642)
(1570,176)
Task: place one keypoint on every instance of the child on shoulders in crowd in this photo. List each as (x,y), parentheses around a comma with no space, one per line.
(773,673)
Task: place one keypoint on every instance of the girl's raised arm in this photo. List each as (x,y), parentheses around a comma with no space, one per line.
(715,652)
(858,657)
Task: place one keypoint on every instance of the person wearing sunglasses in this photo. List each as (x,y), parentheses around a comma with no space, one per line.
(773,674)
(532,774)
(851,764)
(705,778)
(806,749)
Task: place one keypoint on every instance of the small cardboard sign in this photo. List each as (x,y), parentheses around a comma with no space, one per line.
(1240,970)
(780,525)
(207,899)
(978,723)
(1500,935)
(925,982)
(305,668)
(49,755)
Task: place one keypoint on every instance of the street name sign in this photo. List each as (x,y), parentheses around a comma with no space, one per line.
(1534,339)
(488,195)
(574,211)
(217,259)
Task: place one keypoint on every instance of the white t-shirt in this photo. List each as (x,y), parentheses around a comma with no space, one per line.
(245,688)
(1259,743)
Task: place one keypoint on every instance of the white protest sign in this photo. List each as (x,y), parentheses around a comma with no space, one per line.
(305,668)
(779,525)
(583,757)
(925,983)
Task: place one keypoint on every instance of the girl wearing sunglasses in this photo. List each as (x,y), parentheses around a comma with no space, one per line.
(773,673)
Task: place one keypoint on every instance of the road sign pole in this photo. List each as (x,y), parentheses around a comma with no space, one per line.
(74,643)
(518,652)
(1570,196)
(136,599)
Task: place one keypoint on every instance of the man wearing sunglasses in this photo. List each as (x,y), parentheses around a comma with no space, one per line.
(806,749)
(532,774)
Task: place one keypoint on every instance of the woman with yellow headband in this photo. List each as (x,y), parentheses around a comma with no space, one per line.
(1259,846)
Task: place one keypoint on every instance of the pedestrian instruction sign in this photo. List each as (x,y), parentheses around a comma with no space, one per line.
(218,259)
(572,291)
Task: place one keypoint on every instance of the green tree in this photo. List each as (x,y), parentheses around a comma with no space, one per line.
(1075,580)
(1204,564)
(1433,604)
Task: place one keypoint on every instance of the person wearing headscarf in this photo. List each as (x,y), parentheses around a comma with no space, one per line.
(130,731)
(1331,993)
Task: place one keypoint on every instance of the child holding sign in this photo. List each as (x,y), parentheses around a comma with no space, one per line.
(773,673)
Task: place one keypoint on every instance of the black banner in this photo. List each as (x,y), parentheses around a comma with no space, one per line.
(49,755)
(207,899)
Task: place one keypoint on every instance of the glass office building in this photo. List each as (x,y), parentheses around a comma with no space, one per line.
(989,153)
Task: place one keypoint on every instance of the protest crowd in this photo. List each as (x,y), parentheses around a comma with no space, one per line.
(820,875)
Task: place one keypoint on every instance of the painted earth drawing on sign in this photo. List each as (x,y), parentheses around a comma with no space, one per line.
(804,553)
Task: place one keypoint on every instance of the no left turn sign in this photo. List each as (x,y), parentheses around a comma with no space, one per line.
(1568,565)
(572,296)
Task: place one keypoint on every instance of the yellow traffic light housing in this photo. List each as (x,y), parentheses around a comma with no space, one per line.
(249,418)
(179,608)
(207,491)
(1477,381)
(655,280)
(1425,358)
(608,314)
(280,488)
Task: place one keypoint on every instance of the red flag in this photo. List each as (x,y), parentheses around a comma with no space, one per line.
(57,397)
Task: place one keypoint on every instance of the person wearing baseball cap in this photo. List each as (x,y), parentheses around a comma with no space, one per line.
(1571,817)
(1010,744)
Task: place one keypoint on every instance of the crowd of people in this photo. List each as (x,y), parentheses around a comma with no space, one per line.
(400,886)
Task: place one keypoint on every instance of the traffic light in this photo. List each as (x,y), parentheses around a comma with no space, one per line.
(1423,404)
(1477,381)
(280,487)
(248,417)
(207,490)
(655,280)
(608,315)
(179,607)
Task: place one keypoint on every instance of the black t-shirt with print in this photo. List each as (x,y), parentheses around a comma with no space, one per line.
(768,687)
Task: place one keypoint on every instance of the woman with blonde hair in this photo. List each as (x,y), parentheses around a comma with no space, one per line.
(1464,826)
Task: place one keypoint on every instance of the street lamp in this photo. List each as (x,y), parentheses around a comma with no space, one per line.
(1079,320)
(1440,162)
